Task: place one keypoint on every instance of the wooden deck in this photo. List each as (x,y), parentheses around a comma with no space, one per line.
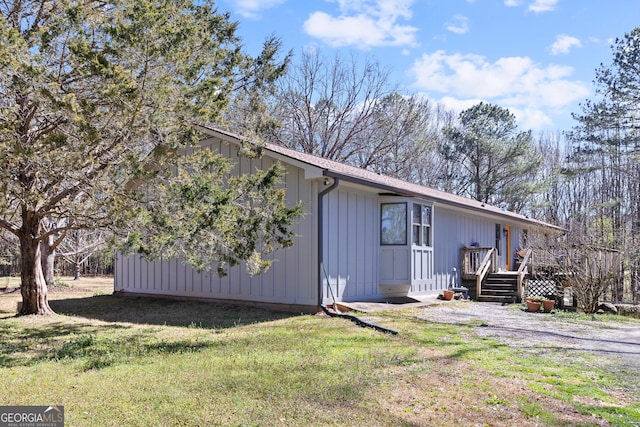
(486,282)
(557,264)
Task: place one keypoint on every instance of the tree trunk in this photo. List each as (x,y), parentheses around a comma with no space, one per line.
(33,287)
(77,267)
(48,255)
(77,257)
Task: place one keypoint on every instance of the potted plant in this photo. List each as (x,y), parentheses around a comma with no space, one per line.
(548,304)
(448,294)
(534,303)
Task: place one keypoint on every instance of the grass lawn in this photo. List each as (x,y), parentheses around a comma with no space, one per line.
(115,361)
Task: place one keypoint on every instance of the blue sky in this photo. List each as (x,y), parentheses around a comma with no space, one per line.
(535,57)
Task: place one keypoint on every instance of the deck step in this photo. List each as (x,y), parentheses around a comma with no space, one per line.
(498,292)
(500,288)
(497,299)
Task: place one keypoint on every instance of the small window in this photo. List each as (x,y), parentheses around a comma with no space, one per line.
(416,225)
(421,225)
(393,224)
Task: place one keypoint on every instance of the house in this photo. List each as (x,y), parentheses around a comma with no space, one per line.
(364,237)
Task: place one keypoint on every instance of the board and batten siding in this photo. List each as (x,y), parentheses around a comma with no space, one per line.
(291,280)
(455,229)
(351,244)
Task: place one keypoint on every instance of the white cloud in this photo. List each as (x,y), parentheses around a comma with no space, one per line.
(536,6)
(564,43)
(531,91)
(393,8)
(526,118)
(364,23)
(530,118)
(458,105)
(543,5)
(459,24)
(252,8)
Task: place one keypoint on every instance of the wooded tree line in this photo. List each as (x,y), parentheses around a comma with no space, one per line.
(585,179)
(81,253)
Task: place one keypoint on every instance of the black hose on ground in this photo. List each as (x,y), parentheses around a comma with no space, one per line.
(358,321)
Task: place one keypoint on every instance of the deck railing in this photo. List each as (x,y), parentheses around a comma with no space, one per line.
(576,259)
(523,270)
(477,263)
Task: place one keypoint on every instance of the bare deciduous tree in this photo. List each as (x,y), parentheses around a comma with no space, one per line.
(327,107)
(590,270)
(403,142)
(80,245)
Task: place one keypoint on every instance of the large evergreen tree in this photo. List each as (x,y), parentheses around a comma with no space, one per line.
(97,95)
(496,161)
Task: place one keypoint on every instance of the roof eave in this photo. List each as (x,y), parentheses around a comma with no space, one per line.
(465,206)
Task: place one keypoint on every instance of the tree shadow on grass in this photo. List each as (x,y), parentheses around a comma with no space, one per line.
(102,331)
(24,346)
(100,351)
(91,347)
(162,311)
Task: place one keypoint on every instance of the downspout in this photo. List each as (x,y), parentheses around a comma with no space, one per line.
(321,194)
(354,319)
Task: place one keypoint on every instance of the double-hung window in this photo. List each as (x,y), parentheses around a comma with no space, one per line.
(421,225)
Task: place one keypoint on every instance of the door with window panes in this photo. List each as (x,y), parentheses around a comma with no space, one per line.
(421,247)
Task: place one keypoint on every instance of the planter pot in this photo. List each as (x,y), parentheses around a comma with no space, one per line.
(548,304)
(448,294)
(533,306)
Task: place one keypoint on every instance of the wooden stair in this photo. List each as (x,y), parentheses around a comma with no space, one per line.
(500,287)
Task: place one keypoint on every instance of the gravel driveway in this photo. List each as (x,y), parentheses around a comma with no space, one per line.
(540,332)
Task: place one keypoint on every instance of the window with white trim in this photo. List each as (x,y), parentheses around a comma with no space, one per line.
(421,225)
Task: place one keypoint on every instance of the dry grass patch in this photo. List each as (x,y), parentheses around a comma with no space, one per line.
(479,381)
(458,394)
